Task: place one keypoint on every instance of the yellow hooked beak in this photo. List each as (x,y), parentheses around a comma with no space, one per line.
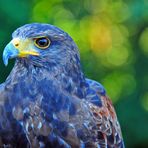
(21,46)
(18,48)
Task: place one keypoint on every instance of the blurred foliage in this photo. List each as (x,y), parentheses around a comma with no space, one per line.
(112,36)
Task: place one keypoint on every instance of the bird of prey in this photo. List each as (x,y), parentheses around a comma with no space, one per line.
(46,101)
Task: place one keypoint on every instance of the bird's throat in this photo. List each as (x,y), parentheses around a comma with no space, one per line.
(25,76)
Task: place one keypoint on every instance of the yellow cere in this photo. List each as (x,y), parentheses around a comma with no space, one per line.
(24,47)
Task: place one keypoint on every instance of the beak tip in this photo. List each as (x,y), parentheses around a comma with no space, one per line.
(9,52)
(6,63)
(5,60)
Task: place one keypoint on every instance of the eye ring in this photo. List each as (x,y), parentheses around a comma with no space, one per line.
(42,42)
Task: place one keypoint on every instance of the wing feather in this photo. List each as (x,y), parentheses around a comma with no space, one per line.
(109,132)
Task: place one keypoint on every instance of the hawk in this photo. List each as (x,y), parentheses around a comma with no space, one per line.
(46,101)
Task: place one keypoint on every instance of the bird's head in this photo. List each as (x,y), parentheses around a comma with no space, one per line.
(41,45)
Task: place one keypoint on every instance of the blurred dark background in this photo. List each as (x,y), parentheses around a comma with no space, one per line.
(112,36)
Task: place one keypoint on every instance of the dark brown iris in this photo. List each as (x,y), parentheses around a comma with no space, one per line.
(42,42)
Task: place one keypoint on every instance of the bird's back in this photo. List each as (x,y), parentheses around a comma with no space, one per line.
(108,128)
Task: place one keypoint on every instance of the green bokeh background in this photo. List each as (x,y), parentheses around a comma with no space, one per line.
(112,36)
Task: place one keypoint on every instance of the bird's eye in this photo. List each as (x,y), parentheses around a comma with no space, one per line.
(42,42)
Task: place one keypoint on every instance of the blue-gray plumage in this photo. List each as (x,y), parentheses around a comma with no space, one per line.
(46,101)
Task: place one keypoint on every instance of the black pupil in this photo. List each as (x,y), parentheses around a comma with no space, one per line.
(42,42)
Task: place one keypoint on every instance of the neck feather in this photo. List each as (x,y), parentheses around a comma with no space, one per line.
(68,78)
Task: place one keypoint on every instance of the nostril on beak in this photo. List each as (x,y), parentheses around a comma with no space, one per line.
(16,44)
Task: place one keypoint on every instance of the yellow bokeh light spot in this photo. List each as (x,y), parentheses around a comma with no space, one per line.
(100,36)
(117,57)
(144,41)
(116,83)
